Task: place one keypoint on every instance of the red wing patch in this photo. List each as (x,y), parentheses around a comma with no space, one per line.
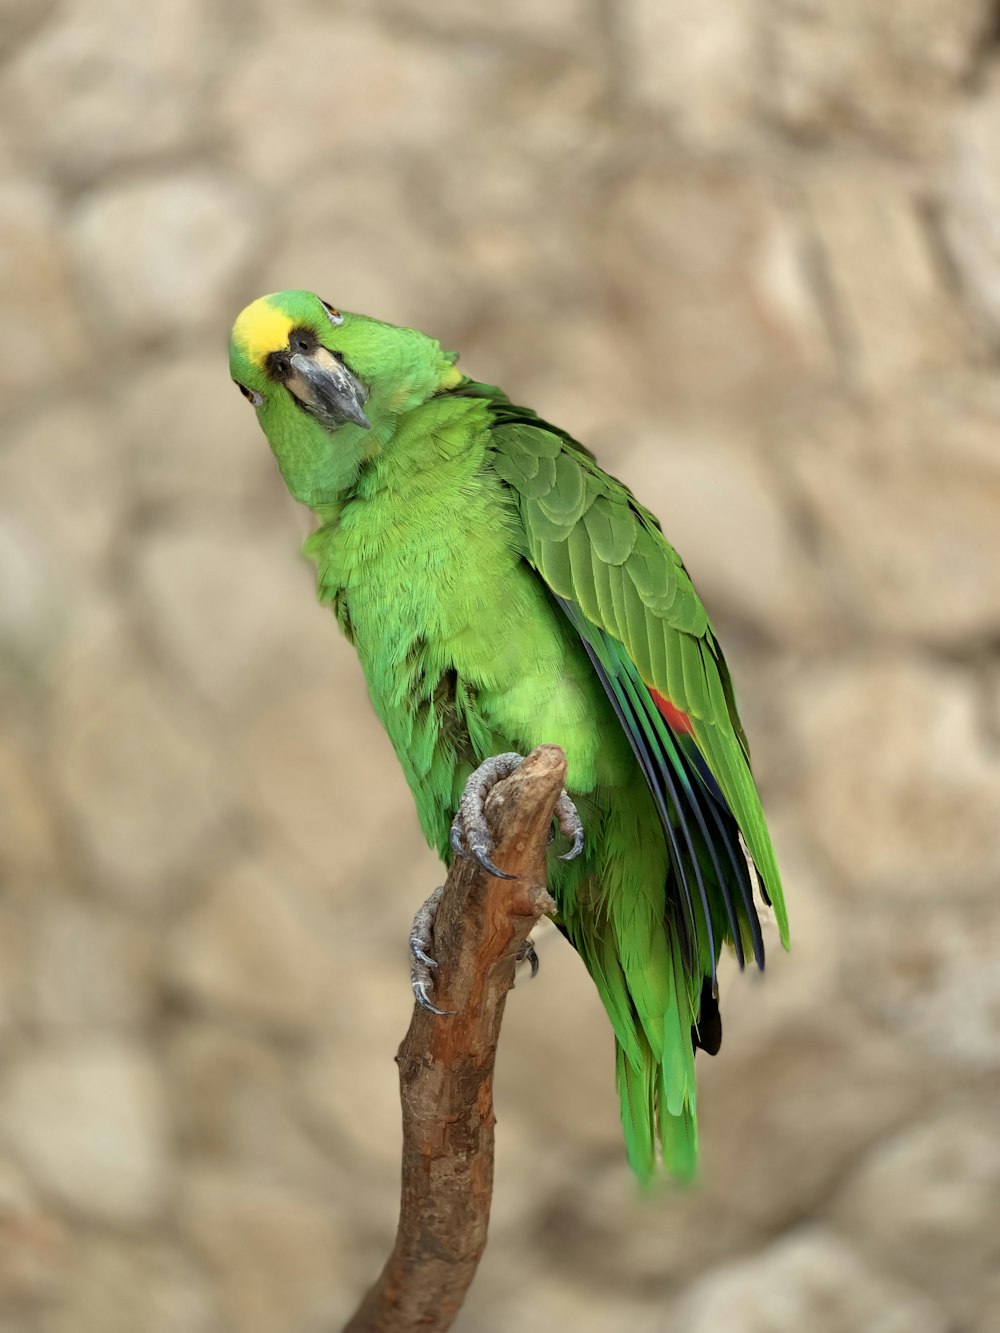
(675,719)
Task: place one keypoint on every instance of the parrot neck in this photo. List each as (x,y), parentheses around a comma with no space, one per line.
(419,475)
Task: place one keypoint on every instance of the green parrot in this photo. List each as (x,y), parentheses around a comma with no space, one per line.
(502,591)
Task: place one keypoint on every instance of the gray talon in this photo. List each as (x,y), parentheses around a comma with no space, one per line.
(529,955)
(470,835)
(422,964)
(576,849)
(480,855)
(417,952)
(569,823)
(421,997)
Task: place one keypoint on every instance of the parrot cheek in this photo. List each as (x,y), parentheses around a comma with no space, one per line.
(317,463)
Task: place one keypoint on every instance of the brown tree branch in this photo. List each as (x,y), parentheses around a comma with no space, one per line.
(446,1064)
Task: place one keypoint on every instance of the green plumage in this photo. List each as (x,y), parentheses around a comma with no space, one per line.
(503,591)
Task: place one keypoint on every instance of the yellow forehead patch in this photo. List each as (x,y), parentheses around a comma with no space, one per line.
(261,329)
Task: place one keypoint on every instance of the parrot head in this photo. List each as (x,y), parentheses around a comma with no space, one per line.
(329,386)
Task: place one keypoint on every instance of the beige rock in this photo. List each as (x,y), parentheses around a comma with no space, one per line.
(20,17)
(900,786)
(282,1258)
(890,302)
(937,982)
(57,598)
(780,1123)
(906,507)
(119,1286)
(519,233)
(877,71)
(235,1103)
(971,199)
(91,631)
(193,442)
(599,1228)
(90,967)
(109,83)
(139,775)
(533,1300)
(88,1122)
(27,832)
(358,87)
(811,1279)
(572,369)
(702,68)
(354,252)
(788,289)
(945,588)
(987,1314)
(34,277)
(254,946)
(949,418)
(561,22)
(925,1202)
(15,956)
(32,615)
(688,254)
(229,608)
(351,1090)
(160,255)
(62,471)
(320,774)
(33,1242)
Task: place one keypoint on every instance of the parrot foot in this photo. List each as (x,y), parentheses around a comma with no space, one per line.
(528,955)
(422,965)
(570,825)
(469,832)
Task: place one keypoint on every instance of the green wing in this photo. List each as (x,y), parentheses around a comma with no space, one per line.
(631,600)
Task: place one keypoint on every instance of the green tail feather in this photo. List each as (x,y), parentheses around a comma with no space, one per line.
(658,1095)
(637,1095)
(647,1121)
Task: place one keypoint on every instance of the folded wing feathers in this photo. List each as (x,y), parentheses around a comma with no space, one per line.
(628,595)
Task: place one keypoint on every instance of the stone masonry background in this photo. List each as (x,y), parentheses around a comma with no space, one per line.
(748,251)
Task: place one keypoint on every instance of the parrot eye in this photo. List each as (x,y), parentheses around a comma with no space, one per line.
(251,395)
(335,316)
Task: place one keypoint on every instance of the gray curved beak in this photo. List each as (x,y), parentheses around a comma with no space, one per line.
(327,389)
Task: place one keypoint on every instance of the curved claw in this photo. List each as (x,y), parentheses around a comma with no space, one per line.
(455,838)
(419,954)
(576,848)
(569,823)
(422,998)
(488,865)
(528,955)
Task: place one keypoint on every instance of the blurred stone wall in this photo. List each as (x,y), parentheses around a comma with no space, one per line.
(750,253)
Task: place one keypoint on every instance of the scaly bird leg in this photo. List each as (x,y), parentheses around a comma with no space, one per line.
(469,832)
(422,965)
(470,835)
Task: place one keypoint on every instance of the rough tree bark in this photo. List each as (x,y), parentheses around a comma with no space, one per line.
(446,1064)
